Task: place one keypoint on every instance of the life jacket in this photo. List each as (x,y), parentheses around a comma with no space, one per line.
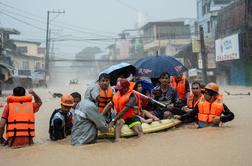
(104,98)
(132,85)
(21,117)
(190,103)
(120,102)
(209,111)
(180,86)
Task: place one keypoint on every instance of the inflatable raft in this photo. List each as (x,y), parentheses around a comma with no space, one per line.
(147,128)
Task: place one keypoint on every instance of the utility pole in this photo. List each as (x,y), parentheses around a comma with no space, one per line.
(47,41)
(1,43)
(203,55)
(159,44)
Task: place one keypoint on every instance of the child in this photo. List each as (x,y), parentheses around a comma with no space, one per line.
(145,116)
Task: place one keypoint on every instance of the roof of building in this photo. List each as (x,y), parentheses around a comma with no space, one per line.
(26,41)
(173,21)
(9,31)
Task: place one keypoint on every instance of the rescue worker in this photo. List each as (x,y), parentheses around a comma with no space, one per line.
(194,97)
(60,124)
(106,94)
(87,120)
(19,119)
(211,110)
(127,105)
(181,84)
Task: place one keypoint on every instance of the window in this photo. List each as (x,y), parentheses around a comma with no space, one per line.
(37,65)
(22,50)
(25,65)
(208,26)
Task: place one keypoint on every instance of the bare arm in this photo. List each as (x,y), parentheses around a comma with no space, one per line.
(36,97)
(107,108)
(2,126)
(149,115)
(121,113)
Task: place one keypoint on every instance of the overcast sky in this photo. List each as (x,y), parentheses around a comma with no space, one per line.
(86,19)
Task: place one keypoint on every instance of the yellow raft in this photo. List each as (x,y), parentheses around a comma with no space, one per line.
(147,128)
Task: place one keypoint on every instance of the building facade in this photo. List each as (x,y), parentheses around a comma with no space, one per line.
(167,37)
(234,44)
(207,18)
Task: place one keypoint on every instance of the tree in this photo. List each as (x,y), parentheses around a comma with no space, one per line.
(88,53)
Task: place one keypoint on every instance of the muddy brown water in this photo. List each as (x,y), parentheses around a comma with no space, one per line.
(184,145)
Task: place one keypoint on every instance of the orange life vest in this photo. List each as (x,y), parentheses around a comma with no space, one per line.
(21,117)
(104,98)
(180,86)
(132,85)
(209,111)
(120,102)
(190,103)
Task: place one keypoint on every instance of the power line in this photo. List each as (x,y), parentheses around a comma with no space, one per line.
(131,7)
(71,27)
(127,5)
(27,17)
(57,25)
(43,21)
(31,25)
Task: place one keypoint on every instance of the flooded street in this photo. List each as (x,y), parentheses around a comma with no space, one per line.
(183,145)
(61,47)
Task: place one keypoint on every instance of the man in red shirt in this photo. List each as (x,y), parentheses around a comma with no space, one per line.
(19,128)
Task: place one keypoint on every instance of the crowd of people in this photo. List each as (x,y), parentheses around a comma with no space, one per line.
(127,103)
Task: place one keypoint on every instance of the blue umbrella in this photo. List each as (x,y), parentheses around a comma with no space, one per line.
(119,70)
(153,66)
(146,85)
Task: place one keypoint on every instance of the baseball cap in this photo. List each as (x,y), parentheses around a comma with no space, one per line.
(122,83)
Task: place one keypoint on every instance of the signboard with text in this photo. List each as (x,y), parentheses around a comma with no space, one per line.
(227,48)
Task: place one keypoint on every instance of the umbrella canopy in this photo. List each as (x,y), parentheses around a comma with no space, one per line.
(153,66)
(146,85)
(118,70)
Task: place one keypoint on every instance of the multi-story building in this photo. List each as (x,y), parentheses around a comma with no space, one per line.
(207,13)
(29,60)
(167,37)
(234,44)
(29,55)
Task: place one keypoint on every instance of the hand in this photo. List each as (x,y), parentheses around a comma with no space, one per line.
(216,120)
(177,117)
(169,106)
(186,109)
(30,91)
(111,124)
(155,118)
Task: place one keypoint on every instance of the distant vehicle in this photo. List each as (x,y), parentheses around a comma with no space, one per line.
(38,77)
(74,81)
(22,78)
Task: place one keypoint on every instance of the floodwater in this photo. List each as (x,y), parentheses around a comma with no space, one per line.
(184,145)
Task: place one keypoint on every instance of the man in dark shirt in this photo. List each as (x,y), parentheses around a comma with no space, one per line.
(166,95)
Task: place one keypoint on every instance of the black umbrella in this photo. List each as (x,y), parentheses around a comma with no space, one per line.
(153,66)
(119,70)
